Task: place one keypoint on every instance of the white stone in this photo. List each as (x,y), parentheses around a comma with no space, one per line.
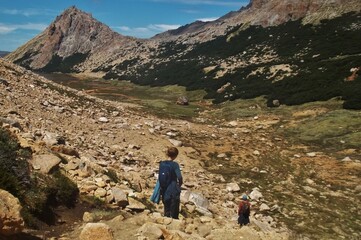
(103,119)
(264,207)
(233,187)
(255,194)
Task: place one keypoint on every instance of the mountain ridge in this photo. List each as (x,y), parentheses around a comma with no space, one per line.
(230,51)
(75,32)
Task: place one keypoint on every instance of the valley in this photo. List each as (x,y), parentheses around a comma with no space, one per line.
(307,169)
(263,101)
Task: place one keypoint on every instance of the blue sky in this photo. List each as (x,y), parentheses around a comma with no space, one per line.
(21,20)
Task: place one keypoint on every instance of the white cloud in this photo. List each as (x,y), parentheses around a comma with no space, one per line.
(145,32)
(207,19)
(29,12)
(8,28)
(163,27)
(123,28)
(5,29)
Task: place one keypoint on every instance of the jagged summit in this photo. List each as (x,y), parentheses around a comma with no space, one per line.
(74,35)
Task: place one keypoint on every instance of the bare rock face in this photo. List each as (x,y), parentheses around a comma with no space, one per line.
(11,221)
(73,35)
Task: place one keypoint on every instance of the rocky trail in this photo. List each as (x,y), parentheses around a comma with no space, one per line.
(111,150)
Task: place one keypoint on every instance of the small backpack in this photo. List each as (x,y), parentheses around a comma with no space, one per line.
(245,209)
(165,174)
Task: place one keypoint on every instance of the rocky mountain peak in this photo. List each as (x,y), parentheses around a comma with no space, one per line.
(75,31)
(73,34)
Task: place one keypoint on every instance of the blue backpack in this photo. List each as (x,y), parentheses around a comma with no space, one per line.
(165,174)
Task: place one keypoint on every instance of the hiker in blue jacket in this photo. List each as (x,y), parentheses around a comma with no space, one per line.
(170,180)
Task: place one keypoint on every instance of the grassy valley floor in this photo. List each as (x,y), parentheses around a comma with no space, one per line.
(305,159)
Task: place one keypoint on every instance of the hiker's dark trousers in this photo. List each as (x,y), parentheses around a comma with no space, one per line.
(171,208)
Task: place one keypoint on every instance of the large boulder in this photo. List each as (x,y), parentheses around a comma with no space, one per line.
(182,101)
(198,200)
(96,231)
(11,221)
(45,163)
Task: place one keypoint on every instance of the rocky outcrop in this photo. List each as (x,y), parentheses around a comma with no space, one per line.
(73,38)
(11,221)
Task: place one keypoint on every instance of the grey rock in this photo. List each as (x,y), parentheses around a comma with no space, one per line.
(120,197)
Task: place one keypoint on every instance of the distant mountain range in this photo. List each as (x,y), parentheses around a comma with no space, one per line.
(3,53)
(291,51)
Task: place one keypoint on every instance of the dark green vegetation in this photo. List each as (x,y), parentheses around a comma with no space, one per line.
(39,194)
(65,65)
(321,55)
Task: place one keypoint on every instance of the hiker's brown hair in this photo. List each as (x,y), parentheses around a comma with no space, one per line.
(172,152)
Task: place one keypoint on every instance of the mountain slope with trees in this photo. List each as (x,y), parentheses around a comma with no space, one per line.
(291,52)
